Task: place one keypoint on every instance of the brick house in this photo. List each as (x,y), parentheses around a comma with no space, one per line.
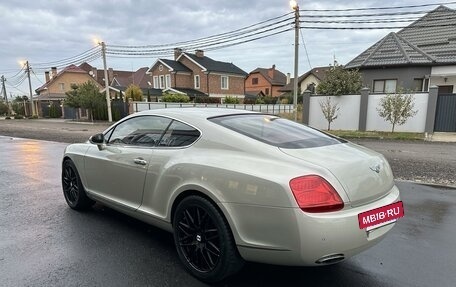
(197,75)
(268,81)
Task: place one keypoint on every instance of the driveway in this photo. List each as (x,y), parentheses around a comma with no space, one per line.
(45,243)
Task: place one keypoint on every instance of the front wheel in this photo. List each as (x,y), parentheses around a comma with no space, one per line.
(73,190)
(204,241)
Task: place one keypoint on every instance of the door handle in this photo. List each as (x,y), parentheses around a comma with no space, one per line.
(140,161)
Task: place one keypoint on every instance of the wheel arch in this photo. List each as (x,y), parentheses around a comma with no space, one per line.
(225,214)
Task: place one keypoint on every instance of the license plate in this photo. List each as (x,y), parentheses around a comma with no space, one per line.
(381,216)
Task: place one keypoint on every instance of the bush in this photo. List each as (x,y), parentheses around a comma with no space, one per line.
(18,117)
(231,100)
(8,118)
(34,117)
(207,100)
(175,98)
(54,112)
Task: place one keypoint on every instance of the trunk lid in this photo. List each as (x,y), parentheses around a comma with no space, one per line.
(364,174)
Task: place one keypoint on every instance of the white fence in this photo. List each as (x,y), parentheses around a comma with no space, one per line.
(269,109)
(348,115)
(348,118)
(415,124)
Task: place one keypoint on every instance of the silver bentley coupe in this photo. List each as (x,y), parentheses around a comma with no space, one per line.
(235,186)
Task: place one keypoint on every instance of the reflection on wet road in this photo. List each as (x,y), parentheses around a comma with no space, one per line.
(44,243)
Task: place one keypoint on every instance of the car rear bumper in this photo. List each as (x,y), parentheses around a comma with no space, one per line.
(289,236)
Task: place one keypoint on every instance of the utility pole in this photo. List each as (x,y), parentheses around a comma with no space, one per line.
(108,98)
(295,7)
(27,66)
(4,93)
(4,89)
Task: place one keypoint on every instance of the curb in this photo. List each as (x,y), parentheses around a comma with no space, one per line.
(436,185)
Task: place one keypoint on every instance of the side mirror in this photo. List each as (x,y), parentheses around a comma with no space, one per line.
(98,139)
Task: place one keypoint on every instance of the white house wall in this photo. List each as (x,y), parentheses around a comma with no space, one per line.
(415,124)
(348,118)
(309,80)
(444,70)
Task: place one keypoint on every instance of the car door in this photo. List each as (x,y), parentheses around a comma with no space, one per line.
(117,172)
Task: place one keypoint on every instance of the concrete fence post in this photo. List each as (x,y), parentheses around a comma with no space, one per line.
(431,110)
(305,107)
(364,102)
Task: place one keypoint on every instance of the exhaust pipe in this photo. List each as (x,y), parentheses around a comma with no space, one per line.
(331,259)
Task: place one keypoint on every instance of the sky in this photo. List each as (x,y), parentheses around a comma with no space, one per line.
(43,31)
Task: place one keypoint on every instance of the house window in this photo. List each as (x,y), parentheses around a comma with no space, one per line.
(254,81)
(162,82)
(426,85)
(224,83)
(197,81)
(168,81)
(267,92)
(385,86)
(156,82)
(418,85)
(62,86)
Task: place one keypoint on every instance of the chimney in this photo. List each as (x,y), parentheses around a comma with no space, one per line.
(46,76)
(271,72)
(199,53)
(110,75)
(288,78)
(177,53)
(53,72)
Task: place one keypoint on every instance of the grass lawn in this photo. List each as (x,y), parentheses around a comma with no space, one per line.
(378,135)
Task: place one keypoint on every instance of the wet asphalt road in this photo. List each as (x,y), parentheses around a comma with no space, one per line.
(45,243)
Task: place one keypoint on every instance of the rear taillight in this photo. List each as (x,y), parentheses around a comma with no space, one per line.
(314,194)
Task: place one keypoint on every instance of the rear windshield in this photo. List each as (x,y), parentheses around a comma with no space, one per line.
(276,131)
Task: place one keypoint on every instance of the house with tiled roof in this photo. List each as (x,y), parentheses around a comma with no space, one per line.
(420,55)
(307,81)
(56,84)
(197,75)
(268,81)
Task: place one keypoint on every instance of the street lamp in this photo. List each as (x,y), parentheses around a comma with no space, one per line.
(294,5)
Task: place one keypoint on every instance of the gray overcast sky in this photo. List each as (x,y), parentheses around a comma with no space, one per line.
(43,31)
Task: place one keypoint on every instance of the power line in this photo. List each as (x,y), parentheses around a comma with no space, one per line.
(380,8)
(376,28)
(177,44)
(305,48)
(66,60)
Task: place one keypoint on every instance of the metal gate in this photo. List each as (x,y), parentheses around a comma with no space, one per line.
(445,116)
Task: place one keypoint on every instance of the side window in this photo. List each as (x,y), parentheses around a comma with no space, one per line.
(179,135)
(139,131)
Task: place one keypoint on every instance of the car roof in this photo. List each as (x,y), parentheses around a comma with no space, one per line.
(194,113)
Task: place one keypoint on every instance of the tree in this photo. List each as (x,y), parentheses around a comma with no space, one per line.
(339,81)
(18,105)
(397,108)
(87,96)
(134,92)
(330,110)
(3,108)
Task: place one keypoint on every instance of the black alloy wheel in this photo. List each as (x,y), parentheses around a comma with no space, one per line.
(73,190)
(204,241)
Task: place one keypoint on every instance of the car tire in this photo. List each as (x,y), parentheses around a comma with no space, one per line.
(73,190)
(204,241)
